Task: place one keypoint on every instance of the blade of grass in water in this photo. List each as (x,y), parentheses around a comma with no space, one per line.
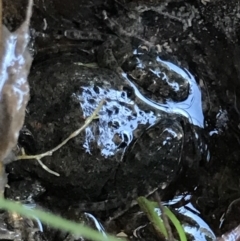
(56,221)
(148,208)
(176,224)
(174,220)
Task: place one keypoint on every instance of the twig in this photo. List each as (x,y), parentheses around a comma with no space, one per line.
(74,134)
(47,168)
(164,218)
(29,13)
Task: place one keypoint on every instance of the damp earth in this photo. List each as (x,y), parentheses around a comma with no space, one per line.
(169,74)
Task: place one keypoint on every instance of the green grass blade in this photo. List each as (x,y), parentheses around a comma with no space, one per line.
(174,220)
(176,223)
(56,221)
(148,208)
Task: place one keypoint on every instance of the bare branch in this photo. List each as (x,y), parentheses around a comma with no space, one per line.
(74,134)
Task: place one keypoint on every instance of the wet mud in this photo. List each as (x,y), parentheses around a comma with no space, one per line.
(170,121)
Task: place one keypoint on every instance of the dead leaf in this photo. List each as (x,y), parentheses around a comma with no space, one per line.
(15,63)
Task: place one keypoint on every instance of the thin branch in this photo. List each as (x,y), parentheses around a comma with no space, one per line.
(46,168)
(74,134)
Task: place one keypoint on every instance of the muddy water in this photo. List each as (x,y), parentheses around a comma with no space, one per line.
(200,130)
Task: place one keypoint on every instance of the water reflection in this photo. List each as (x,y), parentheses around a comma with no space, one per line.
(191,221)
(38,222)
(97,224)
(118,118)
(190,108)
(200,230)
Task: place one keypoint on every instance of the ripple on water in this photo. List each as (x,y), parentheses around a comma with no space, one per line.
(190,218)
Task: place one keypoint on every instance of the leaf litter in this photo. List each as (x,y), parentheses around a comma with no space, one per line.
(15,64)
